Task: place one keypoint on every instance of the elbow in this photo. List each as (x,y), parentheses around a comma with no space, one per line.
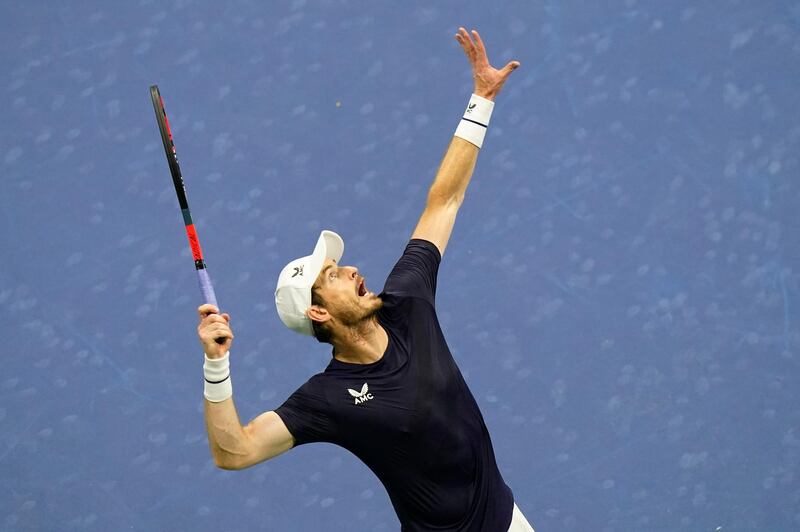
(231,465)
(229,462)
(444,201)
(223,463)
(227,466)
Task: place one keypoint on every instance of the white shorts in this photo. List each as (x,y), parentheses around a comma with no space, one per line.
(519,523)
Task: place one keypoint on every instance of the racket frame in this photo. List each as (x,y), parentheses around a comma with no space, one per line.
(204,280)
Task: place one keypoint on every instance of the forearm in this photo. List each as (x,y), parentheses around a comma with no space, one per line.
(227,439)
(454,173)
(458,164)
(447,191)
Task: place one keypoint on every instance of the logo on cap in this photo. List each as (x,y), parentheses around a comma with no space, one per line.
(298,270)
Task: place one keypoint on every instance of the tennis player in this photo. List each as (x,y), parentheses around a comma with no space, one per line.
(392,393)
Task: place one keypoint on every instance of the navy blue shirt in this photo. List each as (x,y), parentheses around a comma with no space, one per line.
(410,416)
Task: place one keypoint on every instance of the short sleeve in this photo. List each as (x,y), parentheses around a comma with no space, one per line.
(306,414)
(415,273)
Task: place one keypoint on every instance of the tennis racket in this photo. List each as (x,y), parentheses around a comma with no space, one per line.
(206,288)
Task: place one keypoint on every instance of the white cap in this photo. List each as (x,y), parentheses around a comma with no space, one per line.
(293,293)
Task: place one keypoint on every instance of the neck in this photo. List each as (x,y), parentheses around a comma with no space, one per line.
(364,343)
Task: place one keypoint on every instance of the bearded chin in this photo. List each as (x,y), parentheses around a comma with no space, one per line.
(360,315)
(373,311)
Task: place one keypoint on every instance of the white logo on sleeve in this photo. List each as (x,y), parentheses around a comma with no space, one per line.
(361,396)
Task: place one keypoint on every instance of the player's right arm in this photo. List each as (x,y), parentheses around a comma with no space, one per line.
(232,445)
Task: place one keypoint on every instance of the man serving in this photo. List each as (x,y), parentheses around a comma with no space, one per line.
(392,393)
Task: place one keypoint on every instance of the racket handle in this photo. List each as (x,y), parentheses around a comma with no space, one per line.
(209,297)
(206,287)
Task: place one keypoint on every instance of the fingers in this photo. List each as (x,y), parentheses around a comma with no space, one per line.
(215,326)
(211,322)
(472,46)
(466,43)
(215,318)
(479,43)
(205,310)
(216,331)
(209,310)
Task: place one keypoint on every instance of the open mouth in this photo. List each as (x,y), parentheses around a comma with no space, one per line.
(362,289)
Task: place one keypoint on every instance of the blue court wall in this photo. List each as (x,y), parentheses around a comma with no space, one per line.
(620,291)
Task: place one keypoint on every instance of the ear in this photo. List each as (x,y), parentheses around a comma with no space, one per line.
(318,314)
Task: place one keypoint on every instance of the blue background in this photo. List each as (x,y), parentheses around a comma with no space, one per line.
(621,288)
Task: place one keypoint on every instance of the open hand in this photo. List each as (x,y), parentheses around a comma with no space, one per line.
(488,80)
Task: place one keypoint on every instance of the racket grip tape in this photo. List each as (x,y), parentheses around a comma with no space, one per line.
(209,297)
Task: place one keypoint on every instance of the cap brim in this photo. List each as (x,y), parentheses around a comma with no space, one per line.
(329,246)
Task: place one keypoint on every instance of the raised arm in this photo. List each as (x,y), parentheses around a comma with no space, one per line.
(447,191)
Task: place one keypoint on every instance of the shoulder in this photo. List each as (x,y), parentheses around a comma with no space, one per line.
(398,304)
(307,413)
(426,247)
(414,274)
(419,253)
(314,389)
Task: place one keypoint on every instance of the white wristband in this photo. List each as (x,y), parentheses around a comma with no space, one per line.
(217,373)
(472,127)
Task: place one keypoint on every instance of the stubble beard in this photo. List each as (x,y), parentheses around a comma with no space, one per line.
(361,315)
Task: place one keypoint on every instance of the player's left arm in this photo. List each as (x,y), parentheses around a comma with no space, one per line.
(447,191)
